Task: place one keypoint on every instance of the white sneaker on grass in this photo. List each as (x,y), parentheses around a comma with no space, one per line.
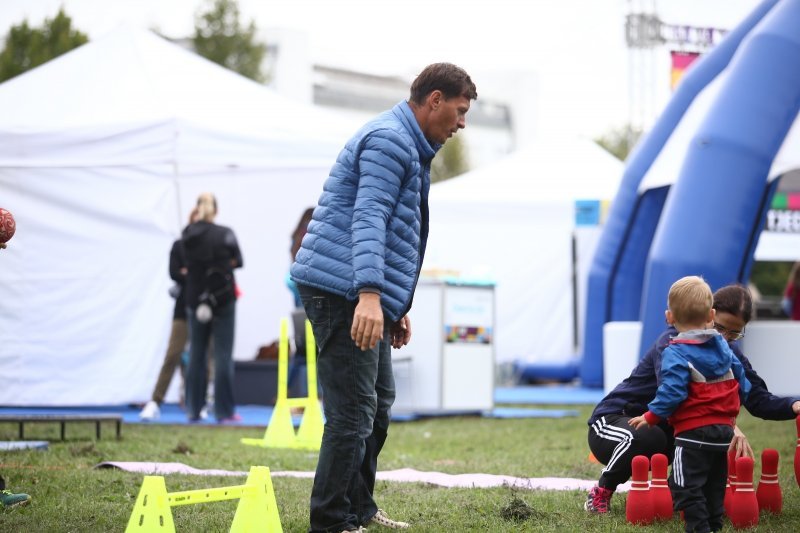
(151,411)
(382,519)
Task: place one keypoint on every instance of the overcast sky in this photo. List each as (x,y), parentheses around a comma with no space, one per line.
(574,49)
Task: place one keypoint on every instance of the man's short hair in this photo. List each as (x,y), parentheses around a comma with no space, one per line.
(690,300)
(453,81)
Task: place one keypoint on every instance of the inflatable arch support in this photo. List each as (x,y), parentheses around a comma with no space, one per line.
(709,220)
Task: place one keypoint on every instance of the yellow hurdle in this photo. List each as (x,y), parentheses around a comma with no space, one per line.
(309,435)
(257,510)
(280,431)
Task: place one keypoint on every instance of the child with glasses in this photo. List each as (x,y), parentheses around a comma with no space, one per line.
(702,387)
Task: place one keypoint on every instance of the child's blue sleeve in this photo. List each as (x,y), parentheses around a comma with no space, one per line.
(674,387)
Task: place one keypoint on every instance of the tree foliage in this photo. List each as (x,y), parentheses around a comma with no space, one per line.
(620,142)
(27,47)
(221,37)
(770,277)
(450,161)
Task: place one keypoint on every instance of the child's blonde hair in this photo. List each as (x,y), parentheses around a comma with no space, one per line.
(690,300)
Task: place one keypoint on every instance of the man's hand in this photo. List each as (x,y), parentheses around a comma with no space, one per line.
(638,422)
(401,332)
(796,407)
(739,444)
(367,327)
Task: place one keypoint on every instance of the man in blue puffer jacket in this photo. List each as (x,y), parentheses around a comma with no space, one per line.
(356,272)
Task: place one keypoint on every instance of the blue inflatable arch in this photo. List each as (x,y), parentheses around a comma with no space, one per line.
(708,222)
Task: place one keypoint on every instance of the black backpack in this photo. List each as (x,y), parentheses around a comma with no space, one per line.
(220,289)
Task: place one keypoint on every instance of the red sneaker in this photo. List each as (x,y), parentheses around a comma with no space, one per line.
(598,500)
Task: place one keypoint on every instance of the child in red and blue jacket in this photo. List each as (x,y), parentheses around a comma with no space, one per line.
(702,387)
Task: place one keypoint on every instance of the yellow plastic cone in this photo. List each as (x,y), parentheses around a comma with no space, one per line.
(257,511)
(280,430)
(152,511)
(309,435)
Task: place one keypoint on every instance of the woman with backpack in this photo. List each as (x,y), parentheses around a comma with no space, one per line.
(212,253)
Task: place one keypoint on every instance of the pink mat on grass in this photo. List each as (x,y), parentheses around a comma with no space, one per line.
(402,475)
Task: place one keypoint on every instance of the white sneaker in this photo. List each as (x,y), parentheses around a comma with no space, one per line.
(382,519)
(203,413)
(151,411)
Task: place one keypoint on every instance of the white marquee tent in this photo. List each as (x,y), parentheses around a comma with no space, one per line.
(513,222)
(103,152)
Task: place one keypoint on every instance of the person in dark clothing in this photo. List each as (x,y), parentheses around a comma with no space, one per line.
(212,253)
(614,443)
(179,333)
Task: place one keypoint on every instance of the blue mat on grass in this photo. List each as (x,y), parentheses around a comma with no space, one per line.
(13,445)
(548,395)
(497,412)
(252,415)
(521,412)
(259,415)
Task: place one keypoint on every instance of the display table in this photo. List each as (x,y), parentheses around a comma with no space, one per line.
(449,363)
(255,382)
(620,351)
(771,347)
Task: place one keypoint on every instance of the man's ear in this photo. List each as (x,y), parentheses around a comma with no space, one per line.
(712,315)
(435,98)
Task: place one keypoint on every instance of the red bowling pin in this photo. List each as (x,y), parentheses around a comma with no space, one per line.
(730,486)
(639,506)
(744,504)
(768,493)
(659,490)
(797,453)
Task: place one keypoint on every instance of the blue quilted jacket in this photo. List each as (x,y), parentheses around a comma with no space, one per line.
(370,226)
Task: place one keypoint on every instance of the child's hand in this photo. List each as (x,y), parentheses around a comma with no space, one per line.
(638,422)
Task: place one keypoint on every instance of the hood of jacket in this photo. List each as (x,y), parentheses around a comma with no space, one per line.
(717,359)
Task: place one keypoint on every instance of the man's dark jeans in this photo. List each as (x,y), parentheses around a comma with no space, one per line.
(359,392)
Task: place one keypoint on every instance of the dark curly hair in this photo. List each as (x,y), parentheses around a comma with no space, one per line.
(736,300)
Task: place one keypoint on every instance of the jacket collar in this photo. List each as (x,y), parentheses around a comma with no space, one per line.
(426,150)
(694,336)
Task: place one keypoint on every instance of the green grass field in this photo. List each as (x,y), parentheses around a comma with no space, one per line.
(69,495)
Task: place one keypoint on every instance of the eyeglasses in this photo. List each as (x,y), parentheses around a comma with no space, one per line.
(731,334)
